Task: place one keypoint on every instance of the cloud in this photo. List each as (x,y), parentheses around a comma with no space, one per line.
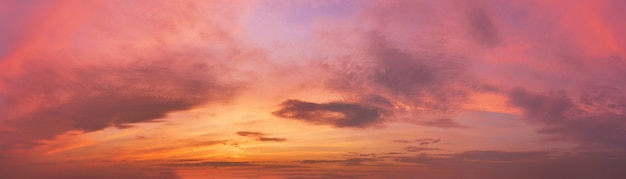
(421,149)
(74,170)
(424,87)
(594,123)
(418,75)
(349,161)
(403,73)
(134,66)
(480,25)
(393,153)
(422,84)
(338,114)
(426,62)
(260,136)
(96,97)
(271,139)
(424,141)
(213,164)
(479,156)
(528,164)
(501,156)
(250,134)
(402,141)
(442,123)
(407,74)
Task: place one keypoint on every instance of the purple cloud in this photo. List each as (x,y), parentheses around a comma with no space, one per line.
(338,114)
(599,124)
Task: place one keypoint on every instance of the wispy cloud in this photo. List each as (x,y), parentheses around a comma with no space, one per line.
(260,136)
(421,149)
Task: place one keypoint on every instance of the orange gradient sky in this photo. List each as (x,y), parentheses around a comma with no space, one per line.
(312,89)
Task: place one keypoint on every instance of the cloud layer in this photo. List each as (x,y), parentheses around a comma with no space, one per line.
(329,89)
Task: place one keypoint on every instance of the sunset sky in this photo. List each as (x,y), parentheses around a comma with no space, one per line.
(312,89)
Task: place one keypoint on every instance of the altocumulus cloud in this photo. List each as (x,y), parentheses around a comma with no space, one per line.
(597,122)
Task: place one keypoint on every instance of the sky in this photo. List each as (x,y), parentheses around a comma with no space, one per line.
(312,89)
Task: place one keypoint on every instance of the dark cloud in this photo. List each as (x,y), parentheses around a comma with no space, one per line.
(421,149)
(271,139)
(469,164)
(394,153)
(66,96)
(402,141)
(481,26)
(442,123)
(501,156)
(214,164)
(413,75)
(186,160)
(378,156)
(320,161)
(401,74)
(534,164)
(603,98)
(375,100)
(349,161)
(260,136)
(425,141)
(250,134)
(357,154)
(425,84)
(72,170)
(338,114)
(598,122)
(553,107)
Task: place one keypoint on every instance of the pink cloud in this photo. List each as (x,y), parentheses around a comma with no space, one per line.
(557,65)
(114,65)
